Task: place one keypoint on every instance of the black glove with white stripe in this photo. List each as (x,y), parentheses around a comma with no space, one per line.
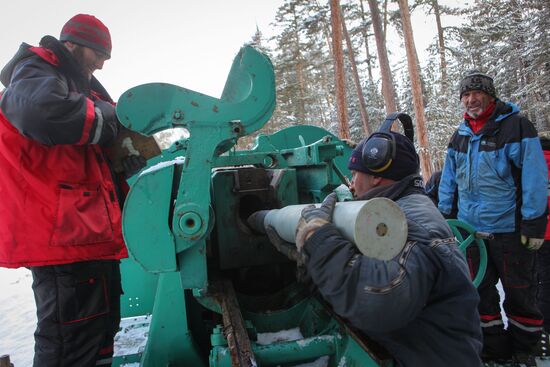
(106,124)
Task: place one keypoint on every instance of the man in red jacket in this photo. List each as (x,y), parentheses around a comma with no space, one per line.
(60,213)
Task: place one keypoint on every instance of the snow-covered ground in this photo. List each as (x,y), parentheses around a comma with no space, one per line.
(18,320)
(17,316)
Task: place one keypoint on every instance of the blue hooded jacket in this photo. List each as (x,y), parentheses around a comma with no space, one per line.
(500,174)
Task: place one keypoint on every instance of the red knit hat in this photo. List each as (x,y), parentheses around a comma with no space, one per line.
(87,30)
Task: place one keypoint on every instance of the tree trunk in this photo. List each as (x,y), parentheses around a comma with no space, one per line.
(366,40)
(360,96)
(422,136)
(388,90)
(341,105)
(300,70)
(385,19)
(326,30)
(301,88)
(443,61)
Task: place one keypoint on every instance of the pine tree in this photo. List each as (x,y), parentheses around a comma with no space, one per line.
(418,100)
(512,44)
(388,90)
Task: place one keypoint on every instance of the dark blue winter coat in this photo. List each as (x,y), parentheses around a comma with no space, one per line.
(421,305)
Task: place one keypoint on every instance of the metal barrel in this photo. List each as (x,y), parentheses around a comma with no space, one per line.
(377,227)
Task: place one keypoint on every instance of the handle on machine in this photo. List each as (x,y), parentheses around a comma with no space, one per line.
(466,235)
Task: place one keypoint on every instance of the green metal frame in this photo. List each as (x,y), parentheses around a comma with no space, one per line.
(167,212)
(169,216)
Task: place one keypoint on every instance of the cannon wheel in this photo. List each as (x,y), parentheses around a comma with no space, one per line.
(460,229)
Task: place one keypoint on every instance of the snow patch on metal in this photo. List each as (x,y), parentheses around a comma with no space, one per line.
(132,336)
(161,165)
(306,342)
(279,336)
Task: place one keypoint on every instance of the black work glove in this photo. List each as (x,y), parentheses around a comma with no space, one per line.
(313,218)
(110,125)
(532,232)
(289,250)
(133,164)
(533,244)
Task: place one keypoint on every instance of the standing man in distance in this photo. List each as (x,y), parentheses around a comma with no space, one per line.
(60,213)
(496,167)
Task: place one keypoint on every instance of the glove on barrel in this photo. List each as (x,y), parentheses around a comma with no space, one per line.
(313,218)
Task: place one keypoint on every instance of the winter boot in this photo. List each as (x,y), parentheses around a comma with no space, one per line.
(523,359)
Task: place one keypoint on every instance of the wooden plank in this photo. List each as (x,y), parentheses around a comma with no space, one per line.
(234,328)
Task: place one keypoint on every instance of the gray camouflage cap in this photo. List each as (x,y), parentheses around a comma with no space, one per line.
(476,80)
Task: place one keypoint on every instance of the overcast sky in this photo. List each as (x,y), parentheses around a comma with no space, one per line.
(190,43)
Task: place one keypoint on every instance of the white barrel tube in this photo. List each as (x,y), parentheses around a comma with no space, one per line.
(377,227)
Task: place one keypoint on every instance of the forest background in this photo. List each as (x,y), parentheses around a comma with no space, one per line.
(344,64)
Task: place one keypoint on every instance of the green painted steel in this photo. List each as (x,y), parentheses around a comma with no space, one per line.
(323,337)
(184,223)
(466,236)
(292,352)
(247,102)
(170,343)
(139,289)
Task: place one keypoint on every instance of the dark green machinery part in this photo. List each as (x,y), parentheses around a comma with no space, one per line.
(466,236)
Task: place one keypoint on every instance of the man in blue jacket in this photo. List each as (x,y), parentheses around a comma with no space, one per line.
(496,166)
(421,305)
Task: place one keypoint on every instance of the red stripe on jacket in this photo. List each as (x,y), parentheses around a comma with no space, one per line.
(527,320)
(88,122)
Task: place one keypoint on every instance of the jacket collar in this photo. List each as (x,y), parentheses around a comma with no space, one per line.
(55,53)
(501,112)
(412,184)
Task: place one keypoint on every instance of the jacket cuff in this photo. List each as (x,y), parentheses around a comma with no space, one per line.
(535,228)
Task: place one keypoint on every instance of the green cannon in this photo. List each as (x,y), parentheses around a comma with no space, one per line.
(212,287)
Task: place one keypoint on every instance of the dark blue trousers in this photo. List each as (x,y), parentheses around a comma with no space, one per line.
(543,277)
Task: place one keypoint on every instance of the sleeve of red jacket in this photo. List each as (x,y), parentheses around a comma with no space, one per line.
(39,104)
